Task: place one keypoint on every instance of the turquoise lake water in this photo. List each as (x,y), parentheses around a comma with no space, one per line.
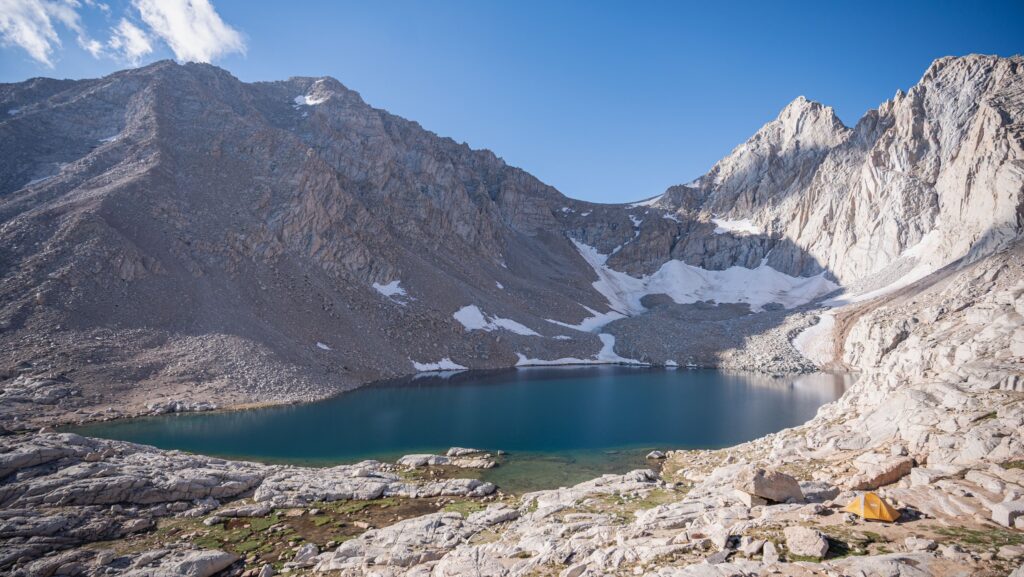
(558,425)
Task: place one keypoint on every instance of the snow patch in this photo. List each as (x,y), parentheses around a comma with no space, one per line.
(816,341)
(499,285)
(593,322)
(927,246)
(307,100)
(110,138)
(390,289)
(14,111)
(606,356)
(649,202)
(670,216)
(607,353)
(636,224)
(311,100)
(437,374)
(394,291)
(474,319)
(444,364)
(323,346)
(687,284)
(739,227)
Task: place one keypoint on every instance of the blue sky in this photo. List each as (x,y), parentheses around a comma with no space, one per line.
(607,101)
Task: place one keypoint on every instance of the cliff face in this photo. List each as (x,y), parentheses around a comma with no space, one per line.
(938,168)
(173,229)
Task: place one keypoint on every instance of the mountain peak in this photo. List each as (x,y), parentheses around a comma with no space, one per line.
(803,113)
(800,103)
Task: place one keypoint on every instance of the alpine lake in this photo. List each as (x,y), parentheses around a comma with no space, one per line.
(557,425)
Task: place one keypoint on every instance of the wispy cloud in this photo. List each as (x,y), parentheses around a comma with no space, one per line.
(192,28)
(30,25)
(129,41)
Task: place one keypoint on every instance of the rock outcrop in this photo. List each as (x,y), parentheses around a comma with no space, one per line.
(806,542)
(770,485)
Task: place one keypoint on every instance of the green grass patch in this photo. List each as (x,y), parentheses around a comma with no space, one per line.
(351,507)
(247,546)
(987,538)
(464,508)
(207,542)
(804,558)
(1013,465)
(264,523)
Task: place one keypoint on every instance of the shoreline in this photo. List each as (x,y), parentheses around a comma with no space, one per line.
(72,418)
(824,385)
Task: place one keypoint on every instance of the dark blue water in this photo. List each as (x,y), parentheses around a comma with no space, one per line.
(594,419)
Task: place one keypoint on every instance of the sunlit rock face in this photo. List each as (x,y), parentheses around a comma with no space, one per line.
(943,158)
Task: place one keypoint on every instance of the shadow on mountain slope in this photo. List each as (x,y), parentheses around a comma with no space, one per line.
(221,239)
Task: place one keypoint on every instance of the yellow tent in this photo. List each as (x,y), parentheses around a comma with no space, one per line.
(873,508)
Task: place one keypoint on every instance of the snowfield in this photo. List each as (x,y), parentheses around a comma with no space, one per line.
(741,226)
(686,284)
(922,253)
(815,342)
(474,319)
(444,364)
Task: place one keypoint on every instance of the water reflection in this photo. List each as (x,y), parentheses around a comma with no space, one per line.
(571,413)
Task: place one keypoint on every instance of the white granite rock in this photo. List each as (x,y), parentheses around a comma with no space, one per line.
(805,542)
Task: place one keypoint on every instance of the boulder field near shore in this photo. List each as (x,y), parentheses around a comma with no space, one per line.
(933,425)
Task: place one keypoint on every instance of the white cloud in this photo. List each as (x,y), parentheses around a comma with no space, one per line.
(192,28)
(94,47)
(102,6)
(29,24)
(129,41)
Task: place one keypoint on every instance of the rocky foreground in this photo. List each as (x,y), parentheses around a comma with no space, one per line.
(934,425)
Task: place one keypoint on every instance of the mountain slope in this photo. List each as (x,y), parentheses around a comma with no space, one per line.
(171,232)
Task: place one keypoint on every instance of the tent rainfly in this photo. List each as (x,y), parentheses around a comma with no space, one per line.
(872,508)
